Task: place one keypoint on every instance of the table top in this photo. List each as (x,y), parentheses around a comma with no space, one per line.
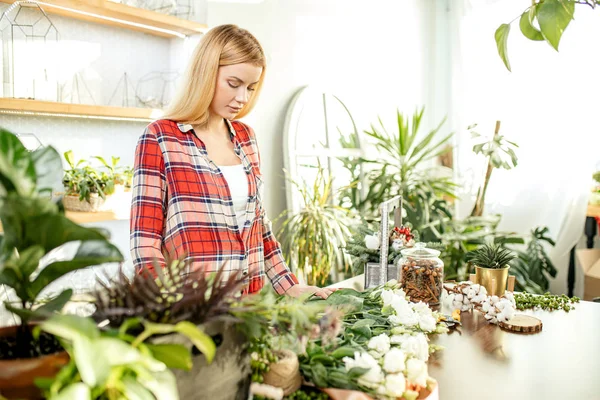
(593,210)
(481,361)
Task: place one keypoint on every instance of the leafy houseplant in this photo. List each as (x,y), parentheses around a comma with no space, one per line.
(115,364)
(533,266)
(492,263)
(313,238)
(84,181)
(120,175)
(35,226)
(551,16)
(403,169)
(500,154)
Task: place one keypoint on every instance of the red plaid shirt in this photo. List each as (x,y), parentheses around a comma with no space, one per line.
(182,208)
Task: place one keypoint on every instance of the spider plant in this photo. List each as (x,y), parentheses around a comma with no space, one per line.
(313,238)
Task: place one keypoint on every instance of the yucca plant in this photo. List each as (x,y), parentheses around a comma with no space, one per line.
(491,255)
(313,239)
(404,168)
(167,295)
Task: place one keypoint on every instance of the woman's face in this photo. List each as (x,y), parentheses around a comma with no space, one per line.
(235,84)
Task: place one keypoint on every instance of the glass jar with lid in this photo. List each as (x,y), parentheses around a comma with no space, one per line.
(422,274)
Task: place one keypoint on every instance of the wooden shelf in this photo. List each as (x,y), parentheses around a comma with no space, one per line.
(50,108)
(91,217)
(121,15)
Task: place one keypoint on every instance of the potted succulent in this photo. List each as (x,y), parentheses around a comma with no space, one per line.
(35,230)
(491,267)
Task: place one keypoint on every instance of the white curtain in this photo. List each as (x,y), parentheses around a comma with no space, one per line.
(547,105)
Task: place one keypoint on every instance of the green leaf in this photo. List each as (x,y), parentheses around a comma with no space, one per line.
(163,386)
(201,340)
(133,390)
(364,322)
(56,304)
(117,352)
(53,230)
(91,252)
(501,37)
(70,327)
(48,169)
(357,372)
(17,170)
(75,391)
(91,360)
(172,355)
(528,30)
(29,259)
(554,16)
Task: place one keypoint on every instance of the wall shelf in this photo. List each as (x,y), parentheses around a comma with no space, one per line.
(121,15)
(50,108)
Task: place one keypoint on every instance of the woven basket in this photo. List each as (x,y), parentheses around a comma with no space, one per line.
(72,203)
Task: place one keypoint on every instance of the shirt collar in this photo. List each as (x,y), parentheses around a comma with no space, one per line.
(188,127)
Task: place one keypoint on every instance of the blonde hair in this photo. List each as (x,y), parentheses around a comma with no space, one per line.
(222,45)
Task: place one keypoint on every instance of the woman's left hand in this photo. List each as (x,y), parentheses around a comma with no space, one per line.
(299,290)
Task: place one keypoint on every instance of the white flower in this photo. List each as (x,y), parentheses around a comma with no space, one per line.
(421,308)
(380,344)
(404,313)
(427,323)
(400,293)
(395,385)
(360,360)
(413,345)
(387,296)
(267,391)
(394,361)
(372,242)
(372,378)
(416,371)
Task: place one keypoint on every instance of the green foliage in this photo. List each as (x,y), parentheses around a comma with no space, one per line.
(116,365)
(552,17)
(402,169)
(313,238)
(167,294)
(491,255)
(545,301)
(533,265)
(498,150)
(84,180)
(34,225)
(596,177)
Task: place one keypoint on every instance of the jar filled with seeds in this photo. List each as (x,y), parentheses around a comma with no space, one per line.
(422,274)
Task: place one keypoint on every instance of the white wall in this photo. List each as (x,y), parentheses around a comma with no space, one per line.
(370,54)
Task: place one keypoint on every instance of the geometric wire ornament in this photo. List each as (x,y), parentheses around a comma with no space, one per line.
(28,38)
(179,8)
(124,94)
(156,89)
(30,141)
(76,91)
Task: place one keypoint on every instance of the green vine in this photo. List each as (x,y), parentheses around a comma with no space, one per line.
(547,301)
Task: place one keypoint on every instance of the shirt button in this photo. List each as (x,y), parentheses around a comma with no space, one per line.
(245,273)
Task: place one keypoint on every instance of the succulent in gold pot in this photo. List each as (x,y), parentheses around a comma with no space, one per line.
(491,266)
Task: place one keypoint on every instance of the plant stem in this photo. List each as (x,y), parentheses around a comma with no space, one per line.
(480,201)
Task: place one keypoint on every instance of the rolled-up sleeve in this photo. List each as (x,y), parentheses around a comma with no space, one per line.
(149,193)
(275,266)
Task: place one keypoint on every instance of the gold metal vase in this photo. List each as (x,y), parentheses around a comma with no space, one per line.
(493,279)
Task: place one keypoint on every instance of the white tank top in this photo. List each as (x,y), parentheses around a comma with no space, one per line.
(236,178)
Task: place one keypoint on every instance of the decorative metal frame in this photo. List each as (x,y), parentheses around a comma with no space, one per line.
(168,80)
(18,22)
(125,91)
(378,274)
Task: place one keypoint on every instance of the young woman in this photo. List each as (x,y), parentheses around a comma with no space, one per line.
(198,188)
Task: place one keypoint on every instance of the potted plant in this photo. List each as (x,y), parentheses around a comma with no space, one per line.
(35,230)
(122,176)
(313,238)
(491,266)
(86,187)
(119,364)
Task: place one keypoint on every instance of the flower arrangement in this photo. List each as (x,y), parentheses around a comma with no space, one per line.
(466,296)
(382,348)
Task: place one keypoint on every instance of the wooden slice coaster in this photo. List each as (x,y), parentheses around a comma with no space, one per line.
(522,323)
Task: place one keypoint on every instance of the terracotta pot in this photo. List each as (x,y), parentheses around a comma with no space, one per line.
(17,376)
(485,276)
